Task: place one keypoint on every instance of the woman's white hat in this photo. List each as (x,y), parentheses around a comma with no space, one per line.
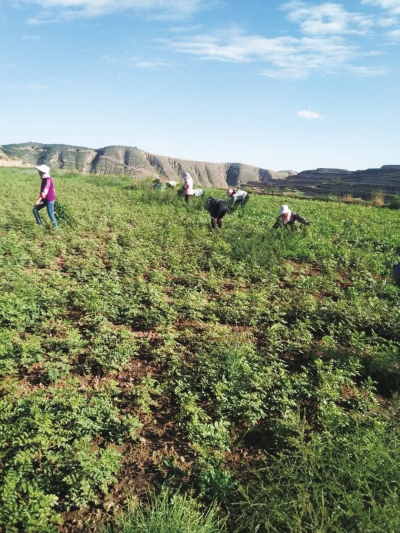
(43,168)
(284,209)
(186,175)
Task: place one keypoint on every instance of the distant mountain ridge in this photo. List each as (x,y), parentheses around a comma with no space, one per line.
(359,183)
(131,161)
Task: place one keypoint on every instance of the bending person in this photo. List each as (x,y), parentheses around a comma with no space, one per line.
(47,195)
(288,218)
(198,193)
(238,197)
(217,209)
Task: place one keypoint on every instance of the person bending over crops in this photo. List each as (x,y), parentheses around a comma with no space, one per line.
(198,193)
(288,218)
(217,209)
(47,195)
(158,185)
(238,197)
(187,186)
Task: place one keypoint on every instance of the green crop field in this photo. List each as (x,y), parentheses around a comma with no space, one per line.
(160,376)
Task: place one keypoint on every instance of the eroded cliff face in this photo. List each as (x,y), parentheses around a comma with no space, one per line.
(6,161)
(360,183)
(130,161)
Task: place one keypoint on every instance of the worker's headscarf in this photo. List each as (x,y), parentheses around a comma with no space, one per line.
(286,212)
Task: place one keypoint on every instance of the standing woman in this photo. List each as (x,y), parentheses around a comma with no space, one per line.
(47,195)
(188,186)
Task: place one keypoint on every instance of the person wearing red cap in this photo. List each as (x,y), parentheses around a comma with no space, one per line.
(288,218)
(47,195)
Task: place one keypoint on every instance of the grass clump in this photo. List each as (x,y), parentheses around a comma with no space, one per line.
(329,482)
(168,513)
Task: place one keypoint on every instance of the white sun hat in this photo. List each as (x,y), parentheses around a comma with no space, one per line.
(284,209)
(186,175)
(43,168)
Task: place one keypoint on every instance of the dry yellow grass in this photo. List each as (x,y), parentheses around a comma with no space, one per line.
(378,198)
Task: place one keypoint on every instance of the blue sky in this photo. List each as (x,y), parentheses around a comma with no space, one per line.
(282,85)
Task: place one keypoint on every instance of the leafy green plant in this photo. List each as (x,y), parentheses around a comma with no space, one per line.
(47,455)
(63,213)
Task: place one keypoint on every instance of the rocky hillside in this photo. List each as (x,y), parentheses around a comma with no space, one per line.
(6,161)
(131,161)
(359,183)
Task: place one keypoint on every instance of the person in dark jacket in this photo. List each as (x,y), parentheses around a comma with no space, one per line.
(47,195)
(396,273)
(288,218)
(217,209)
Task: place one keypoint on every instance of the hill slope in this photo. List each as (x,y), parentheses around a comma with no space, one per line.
(360,183)
(130,161)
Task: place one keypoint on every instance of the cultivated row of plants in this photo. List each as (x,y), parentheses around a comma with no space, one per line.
(251,373)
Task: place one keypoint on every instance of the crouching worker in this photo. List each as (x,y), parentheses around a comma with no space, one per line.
(238,197)
(158,185)
(288,218)
(217,209)
(47,195)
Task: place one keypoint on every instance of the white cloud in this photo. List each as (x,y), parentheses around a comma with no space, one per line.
(394,35)
(29,86)
(307,113)
(387,21)
(368,72)
(393,6)
(140,63)
(137,62)
(70,9)
(285,57)
(36,87)
(327,18)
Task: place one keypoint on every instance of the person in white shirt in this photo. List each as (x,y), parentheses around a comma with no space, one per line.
(188,186)
(238,197)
